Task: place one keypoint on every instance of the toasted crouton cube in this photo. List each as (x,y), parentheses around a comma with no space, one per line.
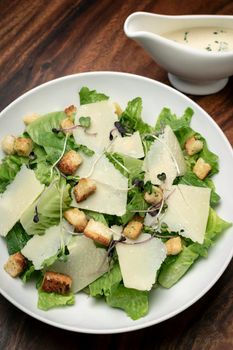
(193,146)
(174,246)
(54,282)
(15,265)
(201,168)
(138,218)
(77,218)
(84,189)
(70,162)
(67,124)
(30,118)
(98,232)
(23,146)
(70,110)
(155,197)
(133,229)
(118,109)
(8,144)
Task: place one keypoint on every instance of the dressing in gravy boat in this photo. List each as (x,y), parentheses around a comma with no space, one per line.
(197,51)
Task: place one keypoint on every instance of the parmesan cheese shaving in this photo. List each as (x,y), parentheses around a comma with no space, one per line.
(18,196)
(164,156)
(140,262)
(129,145)
(102,116)
(188,210)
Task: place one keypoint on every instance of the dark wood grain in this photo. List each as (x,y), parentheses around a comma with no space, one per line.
(42,40)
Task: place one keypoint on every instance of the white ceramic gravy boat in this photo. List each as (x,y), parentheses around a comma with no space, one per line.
(190,70)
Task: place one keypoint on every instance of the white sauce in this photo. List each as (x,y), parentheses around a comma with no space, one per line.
(211,39)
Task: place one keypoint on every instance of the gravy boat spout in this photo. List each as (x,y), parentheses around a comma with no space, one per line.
(190,70)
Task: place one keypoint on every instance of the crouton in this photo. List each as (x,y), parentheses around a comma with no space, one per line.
(69,163)
(23,146)
(77,218)
(30,118)
(70,110)
(138,218)
(174,246)
(15,265)
(84,189)
(201,168)
(118,109)
(8,144)
(98,232)
(155,197)
(67,124)
(193,146)
(133,229)
(56,282)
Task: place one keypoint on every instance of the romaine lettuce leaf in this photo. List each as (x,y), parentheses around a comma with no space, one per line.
(90,96)
(41,132)
(48,210)
(174,268)
(53,143)
(9,167)
(47,301)
(136,203)
(131,118)
(16,239)
(96,216)
(166,117)
(104,284)
(134,302)
(28,273)
(133,165)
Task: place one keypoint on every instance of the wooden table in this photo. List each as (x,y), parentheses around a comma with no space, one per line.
(42,40)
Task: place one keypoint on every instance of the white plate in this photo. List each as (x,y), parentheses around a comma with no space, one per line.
(90,315)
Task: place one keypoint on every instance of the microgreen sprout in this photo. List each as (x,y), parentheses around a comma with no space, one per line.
(36,218)
(162,177)
(120,128)
(85,122)
(138,183)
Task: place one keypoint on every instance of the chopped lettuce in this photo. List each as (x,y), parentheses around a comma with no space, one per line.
(175,267)
(104,284)
(41,132)
(120,161)
(131,119)
(90,96)
(28,273)
(48,208)
(134,302)
(9,167)
(96,216)
(135,203)
(48,301)
(16,239)
(166,117)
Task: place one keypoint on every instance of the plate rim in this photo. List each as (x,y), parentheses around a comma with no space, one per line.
(187,304)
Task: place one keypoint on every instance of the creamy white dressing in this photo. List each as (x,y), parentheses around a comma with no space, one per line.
(210,39)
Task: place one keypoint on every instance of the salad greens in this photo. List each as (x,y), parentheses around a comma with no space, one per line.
(16,239)
(48,208)
(50,143)
(90,96)
(48,301)
(9,168)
